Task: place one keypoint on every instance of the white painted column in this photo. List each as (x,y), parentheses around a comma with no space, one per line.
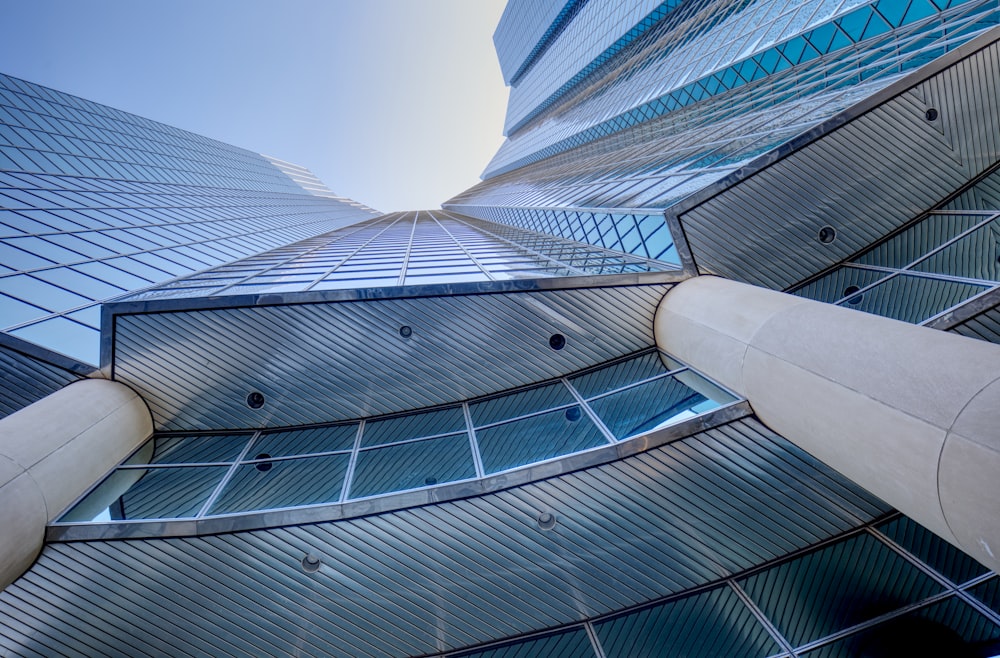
(909,413)
(54,450)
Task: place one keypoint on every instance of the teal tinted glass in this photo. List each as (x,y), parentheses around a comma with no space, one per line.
(169,493)
(620,374)
(283,483)
(413,426)
(412,465)
(303,442)
(519,404)
(706,625)
(947,560)
(198,449)
(537,438)
(568,644)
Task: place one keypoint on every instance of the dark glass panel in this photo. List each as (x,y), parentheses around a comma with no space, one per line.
(519,404)
(568,644)
(198,449)
(942,556)
(710,624)
(537,438)
(620,374)
(412,465)
(413,426)
(836,587)
(657,403)
(283,483)
(948,629)
(911,298)
(168,493)
(303,442)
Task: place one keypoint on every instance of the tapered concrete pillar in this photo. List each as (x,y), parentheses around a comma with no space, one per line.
(909,413)
(54,450)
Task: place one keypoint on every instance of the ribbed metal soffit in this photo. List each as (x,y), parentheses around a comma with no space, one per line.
(865,173)
(322,362)
(436,578)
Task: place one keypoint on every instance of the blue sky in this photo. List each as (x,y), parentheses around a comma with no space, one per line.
(396,103)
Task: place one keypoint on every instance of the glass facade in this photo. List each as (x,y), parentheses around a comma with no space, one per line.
(635,508)
(96,203)
(203,475)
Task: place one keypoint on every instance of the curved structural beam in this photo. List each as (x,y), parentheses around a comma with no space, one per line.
(54,450)
(909,413)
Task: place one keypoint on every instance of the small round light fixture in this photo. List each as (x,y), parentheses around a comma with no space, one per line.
(263,467)
(311,563)
(557,341)
(573,414)
(255,400)
(546,520)
(827,234)
(406,331)
(856,299)
(931,114)
(430,481)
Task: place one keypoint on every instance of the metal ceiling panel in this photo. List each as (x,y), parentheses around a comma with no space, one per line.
(323,362)
(865,172)
(28,373)
(444,576)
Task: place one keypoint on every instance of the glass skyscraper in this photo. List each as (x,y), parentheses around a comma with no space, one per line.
(467,431)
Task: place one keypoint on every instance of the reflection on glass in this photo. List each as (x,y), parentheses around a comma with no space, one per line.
(705,625)
(620,374)
(949,628)
(283,483)
(412,465)
(836,587)
(413,426)
(168,493)
(573,643)
(912,299)
(198,449)
(658,403)
(519,404)
(303,442)
(537,438)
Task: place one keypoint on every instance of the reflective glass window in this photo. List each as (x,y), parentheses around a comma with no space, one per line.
(537,438)
(283,483)
(411,465)
(412,426)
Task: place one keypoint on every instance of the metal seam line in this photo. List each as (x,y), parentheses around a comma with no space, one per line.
(343,260)
(408,250)
(477,457)
(595,642)
(939,578)
(352,462)
(771,629)
(225,478)
(590,412)
(461,246)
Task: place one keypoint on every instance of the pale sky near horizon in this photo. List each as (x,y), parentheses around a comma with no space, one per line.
(398,104)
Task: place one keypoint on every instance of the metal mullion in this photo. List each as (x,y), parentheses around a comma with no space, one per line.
(352,462)
(289,259)
(541,412)
(958,589)
(922,275)
(762,619)
(857,628)
(413,440)
(477,457)
(639,383)
(595,642)
(464,250)
(590,412)
(227,477)
(144,467)
(406,252)
(349,256)
(951,241)
(284,458)
(891,275)
(523,248)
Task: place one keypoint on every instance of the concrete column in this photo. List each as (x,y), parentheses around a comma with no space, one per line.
(909,413)
(54,450)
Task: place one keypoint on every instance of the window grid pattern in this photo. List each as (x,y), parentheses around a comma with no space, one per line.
(924,271)
(802,606)
(416,248)
(194,476)
(96,203)
(677,69)
(630,230)
(526,30)
(661,161)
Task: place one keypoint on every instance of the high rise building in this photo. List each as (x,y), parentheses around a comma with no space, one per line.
(618,399)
